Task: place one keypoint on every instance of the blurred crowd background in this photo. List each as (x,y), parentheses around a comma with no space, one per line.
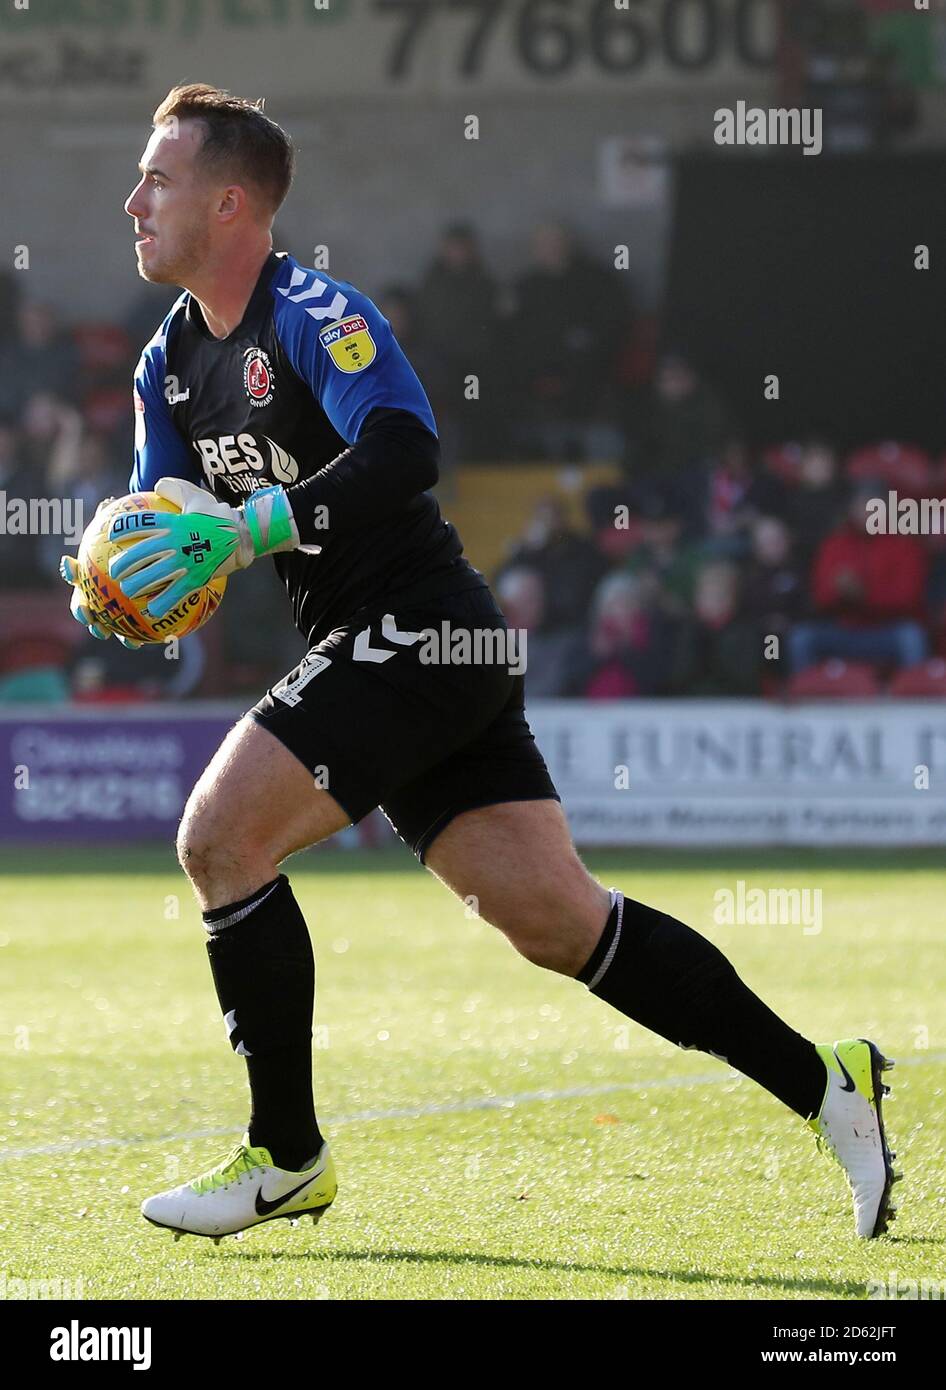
(690,562)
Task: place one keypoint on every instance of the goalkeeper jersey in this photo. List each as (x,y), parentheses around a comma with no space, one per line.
(312,368)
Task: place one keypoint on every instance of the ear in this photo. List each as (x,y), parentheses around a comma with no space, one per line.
(232,202)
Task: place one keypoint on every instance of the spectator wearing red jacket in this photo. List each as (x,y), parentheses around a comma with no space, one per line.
(869,592)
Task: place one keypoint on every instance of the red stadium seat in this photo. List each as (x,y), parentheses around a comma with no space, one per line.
(616,542)
(103,347)
(925,681)
(24,615)
(902,467)
(107,408)
(32,653)
(835,679)
(783,460)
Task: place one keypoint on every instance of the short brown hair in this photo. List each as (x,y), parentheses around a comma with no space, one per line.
(238,137)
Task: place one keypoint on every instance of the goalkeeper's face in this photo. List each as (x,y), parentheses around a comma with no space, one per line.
(176,207)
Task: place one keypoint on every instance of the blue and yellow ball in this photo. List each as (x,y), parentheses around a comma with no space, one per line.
(108,606)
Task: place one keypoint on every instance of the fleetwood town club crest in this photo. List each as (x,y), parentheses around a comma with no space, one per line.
(258,376)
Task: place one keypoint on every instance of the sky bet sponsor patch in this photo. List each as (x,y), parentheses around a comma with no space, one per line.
(350,343)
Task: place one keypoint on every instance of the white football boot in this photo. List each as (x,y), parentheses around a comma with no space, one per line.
(244,1190)
(850,1127)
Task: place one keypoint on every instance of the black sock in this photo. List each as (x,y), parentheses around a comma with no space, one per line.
(667,977)
(264,973)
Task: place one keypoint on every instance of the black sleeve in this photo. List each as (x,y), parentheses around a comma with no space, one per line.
(394,459)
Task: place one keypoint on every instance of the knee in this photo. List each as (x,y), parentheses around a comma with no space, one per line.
(556,927)
(221,866)
(197,845)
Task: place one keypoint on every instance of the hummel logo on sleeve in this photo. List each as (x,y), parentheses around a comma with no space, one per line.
(315,290)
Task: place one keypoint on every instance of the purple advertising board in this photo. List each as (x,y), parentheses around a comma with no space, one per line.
(103,774)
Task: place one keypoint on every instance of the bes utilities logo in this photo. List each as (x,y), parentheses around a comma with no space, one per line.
(258,376)
(243,461)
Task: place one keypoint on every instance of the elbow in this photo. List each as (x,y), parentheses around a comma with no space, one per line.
(430,465)
(400,452)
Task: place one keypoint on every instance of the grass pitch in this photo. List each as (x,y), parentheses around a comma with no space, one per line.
(498,1132)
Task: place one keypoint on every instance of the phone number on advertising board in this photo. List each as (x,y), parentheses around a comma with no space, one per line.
(551,36)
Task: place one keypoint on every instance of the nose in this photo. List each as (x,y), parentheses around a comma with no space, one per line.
(133,204)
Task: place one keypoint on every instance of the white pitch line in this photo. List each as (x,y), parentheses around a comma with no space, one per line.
(405,1112)
(417,1112)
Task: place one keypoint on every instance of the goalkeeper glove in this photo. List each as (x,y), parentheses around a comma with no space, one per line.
(68,571)
(183,551)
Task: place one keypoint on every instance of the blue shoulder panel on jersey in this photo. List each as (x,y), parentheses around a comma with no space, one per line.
(160,450)
(342,347)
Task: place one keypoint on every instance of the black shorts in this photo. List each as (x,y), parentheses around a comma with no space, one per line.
(378,724)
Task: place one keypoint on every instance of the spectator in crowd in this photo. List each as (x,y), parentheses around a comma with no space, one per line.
(97,473)
(716,649)
(52,436)
(398,303)
(686,424)
(20,562)
(774,582)
(92,475)
(616,523)
(728,504)
(868,592)
(570,318)
(456,303)
(819,501)
(936,591)
(774,591)
(456,310)
(553,659)
(627,644)
(666,560)
(39,357)
(569,565)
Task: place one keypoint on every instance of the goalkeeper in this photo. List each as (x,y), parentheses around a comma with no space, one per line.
(276,409)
